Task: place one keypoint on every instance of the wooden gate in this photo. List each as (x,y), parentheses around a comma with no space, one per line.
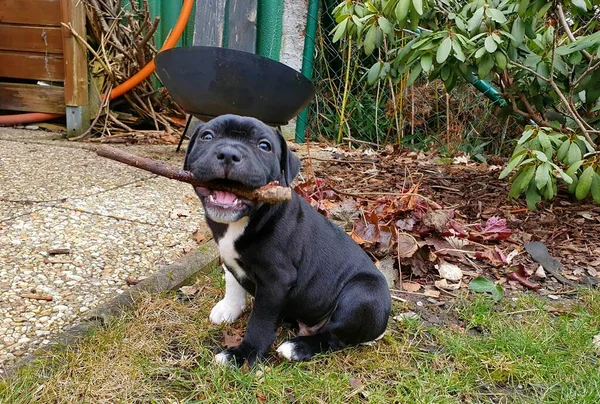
(34,46)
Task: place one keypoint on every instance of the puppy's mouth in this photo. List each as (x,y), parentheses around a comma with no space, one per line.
(215,198)
(222,199)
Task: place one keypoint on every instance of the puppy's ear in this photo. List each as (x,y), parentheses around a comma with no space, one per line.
(290,163)
(194,128)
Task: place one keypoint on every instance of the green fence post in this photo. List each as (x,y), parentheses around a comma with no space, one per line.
(312,20)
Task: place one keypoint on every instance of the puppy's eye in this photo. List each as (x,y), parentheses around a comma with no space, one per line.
(264,145)
(207,136)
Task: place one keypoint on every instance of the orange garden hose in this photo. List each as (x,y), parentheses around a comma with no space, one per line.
(133,81)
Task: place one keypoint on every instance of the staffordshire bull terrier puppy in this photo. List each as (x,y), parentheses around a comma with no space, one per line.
(298,266)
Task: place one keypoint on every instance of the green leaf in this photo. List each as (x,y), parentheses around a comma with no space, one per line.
(496,15)
(490,44)
(580,4)
(574,154)
(544,141)
(565,177)
(370,39)
(522,181)
(501,60)
(458,52)
(414,74)
(480,52)
(426,62)
(548,192)
(402,9)
(484,285)
(529,30)
(475,20)
(340,30)
(485,66)
(525,136)
(573,186)
(541,156)
(518,31)
(418,4)
(443,50)
(385,25)
(575,58)
(579,44)
(595,188)
(562,150)
(542,175)
(542,70)
(373,73)
(532,196)
(512,164)
(585,183)
(573,168)
(587,144)
(414,19)
(523,6)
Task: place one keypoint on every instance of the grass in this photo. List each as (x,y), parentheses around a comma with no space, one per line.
(521,350)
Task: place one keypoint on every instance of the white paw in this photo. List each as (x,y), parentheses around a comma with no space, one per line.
(227,311)
(222,358)
(288,351)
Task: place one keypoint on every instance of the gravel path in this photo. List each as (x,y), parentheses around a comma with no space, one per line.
(117,223)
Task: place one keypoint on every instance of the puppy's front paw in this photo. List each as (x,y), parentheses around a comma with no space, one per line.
(234,357)
(226,311)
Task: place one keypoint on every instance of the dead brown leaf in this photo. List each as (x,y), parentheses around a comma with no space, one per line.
(232,340)
(407,245)
(200,235)
(411,286)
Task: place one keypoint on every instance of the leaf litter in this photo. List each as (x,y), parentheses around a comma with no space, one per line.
(439,226)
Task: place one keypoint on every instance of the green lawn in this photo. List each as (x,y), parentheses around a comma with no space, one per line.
(524,350)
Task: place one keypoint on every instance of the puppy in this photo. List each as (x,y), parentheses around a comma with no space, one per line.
(298,266)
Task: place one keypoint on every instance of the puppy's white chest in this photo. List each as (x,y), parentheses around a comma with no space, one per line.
(227,246)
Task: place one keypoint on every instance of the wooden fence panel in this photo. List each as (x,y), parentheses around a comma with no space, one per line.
(31,66)
(28,38)
(34,12)
(31,97)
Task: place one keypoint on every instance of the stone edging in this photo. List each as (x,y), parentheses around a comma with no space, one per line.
(169,277)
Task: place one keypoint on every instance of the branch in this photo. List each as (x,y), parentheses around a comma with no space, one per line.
(270,193)
(565,25)
(585,129)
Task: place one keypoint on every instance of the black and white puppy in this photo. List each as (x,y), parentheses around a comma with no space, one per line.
(298,266)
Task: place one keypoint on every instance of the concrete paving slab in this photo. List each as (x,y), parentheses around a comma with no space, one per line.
(118,223)
(44,173)
(158,201)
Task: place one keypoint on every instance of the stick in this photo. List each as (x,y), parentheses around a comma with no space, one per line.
(270,193)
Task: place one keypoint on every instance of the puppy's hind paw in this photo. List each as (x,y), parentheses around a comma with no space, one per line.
(287,350)
(226,311)
(223,358)
(235,357)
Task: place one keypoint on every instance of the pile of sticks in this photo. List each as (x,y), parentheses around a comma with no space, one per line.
(120,41)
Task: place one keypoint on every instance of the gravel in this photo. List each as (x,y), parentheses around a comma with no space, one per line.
(117,223)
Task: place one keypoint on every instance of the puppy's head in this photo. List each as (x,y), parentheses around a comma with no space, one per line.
(237,151)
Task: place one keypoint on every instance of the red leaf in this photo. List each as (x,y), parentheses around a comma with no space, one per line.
(496,257)
(523,281)
(494,229)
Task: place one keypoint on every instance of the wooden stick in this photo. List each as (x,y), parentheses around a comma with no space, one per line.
(270,193)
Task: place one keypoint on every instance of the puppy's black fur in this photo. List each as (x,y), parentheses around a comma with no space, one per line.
(297,265)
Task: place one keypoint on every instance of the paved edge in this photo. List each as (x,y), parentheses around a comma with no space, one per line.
(168,277)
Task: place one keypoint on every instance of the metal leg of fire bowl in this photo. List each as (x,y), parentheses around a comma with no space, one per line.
(187,125)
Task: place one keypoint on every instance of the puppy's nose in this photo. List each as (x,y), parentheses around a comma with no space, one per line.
(229,155)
